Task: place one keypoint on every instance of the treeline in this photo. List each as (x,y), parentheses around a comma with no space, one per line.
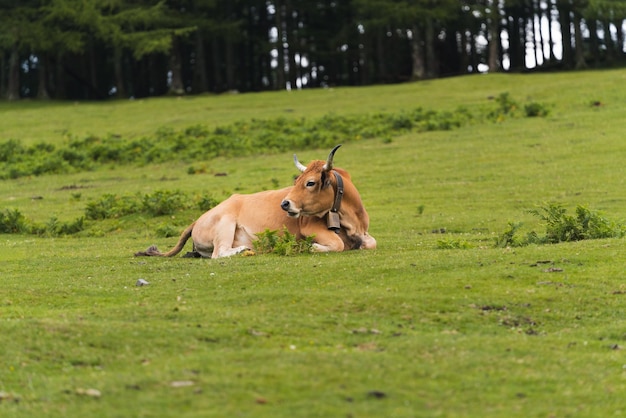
(76,49)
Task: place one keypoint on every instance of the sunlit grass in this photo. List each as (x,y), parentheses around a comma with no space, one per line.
(409,329)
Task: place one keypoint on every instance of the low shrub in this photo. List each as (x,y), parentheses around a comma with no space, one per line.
(535,109)
(12,222)
(585,224)
(282,243)
(158,203)
(163,202)
(562,227)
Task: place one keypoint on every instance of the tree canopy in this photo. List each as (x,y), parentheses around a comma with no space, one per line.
(85,50)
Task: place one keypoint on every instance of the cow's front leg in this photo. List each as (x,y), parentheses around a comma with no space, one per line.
(327,241)
(368,242)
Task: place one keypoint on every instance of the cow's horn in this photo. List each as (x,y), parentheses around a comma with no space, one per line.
(329,163)
(298,164)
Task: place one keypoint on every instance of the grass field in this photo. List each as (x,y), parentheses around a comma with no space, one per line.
(436,322)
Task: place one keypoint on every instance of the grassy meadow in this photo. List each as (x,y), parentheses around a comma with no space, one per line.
(438,321)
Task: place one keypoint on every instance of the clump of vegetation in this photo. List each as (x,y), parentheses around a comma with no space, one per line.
(55,228)
(110,206)
(507,107)
(509,237)
(158,203)
(14,222)
(562,227)
(585,224)
(167,231)
(534,109)
(200,143)
(282,243)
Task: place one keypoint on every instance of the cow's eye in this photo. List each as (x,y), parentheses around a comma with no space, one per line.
(310,183)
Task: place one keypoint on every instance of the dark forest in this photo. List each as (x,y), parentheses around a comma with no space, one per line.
(100,49)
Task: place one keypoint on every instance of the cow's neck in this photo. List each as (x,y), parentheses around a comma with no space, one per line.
(333,221)
(352,216)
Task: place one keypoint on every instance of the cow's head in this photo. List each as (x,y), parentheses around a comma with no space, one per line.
(312,194)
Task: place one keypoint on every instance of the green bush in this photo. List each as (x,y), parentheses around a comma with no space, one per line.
(163,202)
(509,237)
(585,224)
(282,243)
(12,222)
(111,206)
(535,109)
(562,227)
(205,202)
(54,228)
(167,231)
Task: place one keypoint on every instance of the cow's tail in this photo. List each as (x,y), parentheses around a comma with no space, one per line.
(154,251)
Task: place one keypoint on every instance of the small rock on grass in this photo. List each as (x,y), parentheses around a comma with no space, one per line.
(181,383)
(93,393)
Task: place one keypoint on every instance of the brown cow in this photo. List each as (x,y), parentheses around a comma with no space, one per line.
(323,202)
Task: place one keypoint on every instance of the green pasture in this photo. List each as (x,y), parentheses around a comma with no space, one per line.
(436,322)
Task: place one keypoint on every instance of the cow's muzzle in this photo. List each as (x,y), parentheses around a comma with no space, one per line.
(286,206)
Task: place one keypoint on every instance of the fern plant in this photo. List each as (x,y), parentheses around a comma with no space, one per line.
(282,243)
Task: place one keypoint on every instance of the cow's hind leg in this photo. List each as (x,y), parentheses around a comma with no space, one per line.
(224,239)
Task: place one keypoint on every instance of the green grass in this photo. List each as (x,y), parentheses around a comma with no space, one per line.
(410,329)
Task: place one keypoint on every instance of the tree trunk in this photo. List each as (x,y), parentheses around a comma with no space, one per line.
(418,71)
(578,38)
(594,42)
(537,40)
(494,38)
(291,28)
(200,80)
(516,41)
(608,42)
(118,69)
(566,33)
(3,87)
(380,55)
(92,68)
(619,50)
(432,63)
(218,80)
(60,91)
(280,29)
(176,86)
(231,69)
(13,86)
(42,75)
(551,56)
(464,61)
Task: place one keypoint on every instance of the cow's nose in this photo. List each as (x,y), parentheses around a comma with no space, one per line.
(285,205)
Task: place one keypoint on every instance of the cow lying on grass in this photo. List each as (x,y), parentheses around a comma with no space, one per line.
(322,203)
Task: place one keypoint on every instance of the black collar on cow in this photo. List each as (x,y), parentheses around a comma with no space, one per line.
(333,217)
